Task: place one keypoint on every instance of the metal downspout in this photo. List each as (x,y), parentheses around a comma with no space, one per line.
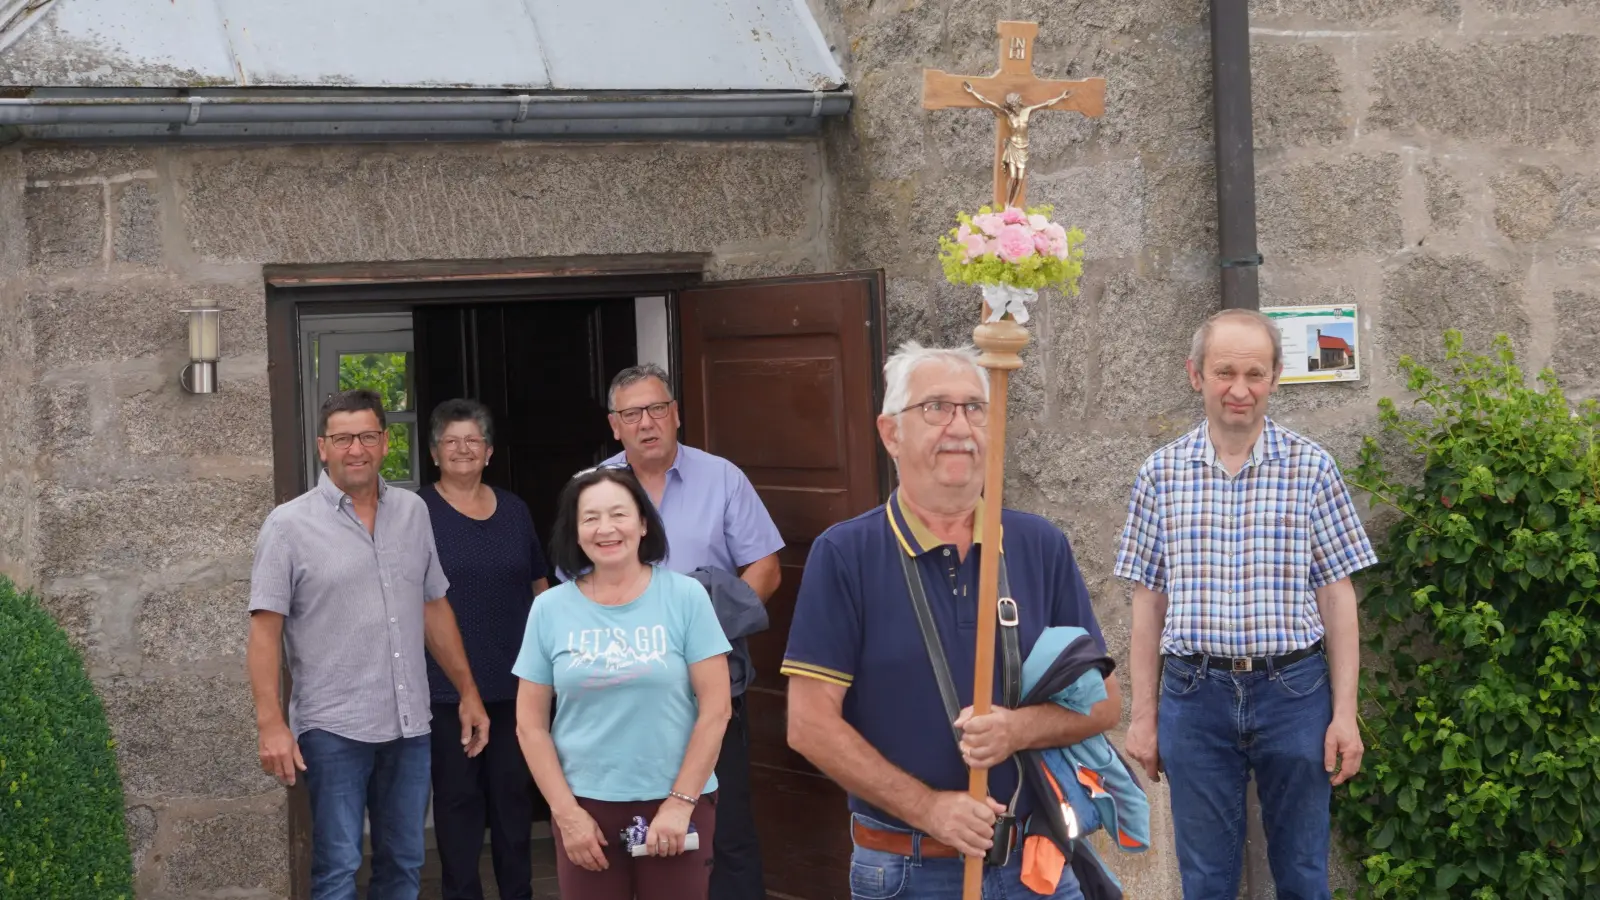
(1238,255)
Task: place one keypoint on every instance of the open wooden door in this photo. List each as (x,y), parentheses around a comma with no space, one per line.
(783,378)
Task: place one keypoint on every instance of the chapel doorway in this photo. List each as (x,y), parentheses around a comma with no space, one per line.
(542,369)
(782,376)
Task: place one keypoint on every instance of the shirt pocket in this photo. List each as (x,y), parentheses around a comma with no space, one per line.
(411,566)
(1281,545)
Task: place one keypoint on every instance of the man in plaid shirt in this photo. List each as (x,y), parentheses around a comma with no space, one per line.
(1240,542)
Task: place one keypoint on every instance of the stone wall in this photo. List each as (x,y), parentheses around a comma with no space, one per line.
(16,361)
(133,506)
(1431,160)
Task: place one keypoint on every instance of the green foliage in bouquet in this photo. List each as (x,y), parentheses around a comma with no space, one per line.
(1023,249)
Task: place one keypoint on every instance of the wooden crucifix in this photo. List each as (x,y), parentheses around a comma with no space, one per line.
(1014,93)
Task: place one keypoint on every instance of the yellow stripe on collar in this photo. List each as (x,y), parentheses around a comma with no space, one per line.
(914,535)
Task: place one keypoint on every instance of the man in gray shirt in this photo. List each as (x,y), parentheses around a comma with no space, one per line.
(347,577)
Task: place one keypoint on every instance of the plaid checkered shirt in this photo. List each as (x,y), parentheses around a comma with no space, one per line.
(1240,557)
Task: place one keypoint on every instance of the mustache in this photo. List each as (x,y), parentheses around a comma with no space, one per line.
(962,446)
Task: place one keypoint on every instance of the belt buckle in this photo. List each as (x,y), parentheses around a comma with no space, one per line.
(1242,665)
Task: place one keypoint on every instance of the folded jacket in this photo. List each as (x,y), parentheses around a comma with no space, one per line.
(741,613)
(1087,786)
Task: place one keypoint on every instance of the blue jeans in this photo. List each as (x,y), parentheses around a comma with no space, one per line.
(351,781)
(1215,727)
(876,875)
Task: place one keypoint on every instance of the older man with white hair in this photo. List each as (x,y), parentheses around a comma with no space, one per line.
(864,704)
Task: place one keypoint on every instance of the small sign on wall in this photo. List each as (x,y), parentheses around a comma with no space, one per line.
(1320,343)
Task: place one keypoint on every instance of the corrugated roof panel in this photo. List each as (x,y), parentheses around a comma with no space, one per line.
(578,45)
(385,43)
(703,45)
(120,43)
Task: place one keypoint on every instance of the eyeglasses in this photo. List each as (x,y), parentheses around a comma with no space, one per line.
(342,441)
(454,443)
(943,412)
(632,414)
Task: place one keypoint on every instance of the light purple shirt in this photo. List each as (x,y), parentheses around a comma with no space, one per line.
(714,516)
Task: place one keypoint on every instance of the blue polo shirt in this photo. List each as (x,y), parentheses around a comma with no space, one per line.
(854,626)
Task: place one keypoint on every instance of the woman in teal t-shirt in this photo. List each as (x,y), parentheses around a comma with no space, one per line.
(637,662)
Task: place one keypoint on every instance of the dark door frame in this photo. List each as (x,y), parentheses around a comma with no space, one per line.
(296,290)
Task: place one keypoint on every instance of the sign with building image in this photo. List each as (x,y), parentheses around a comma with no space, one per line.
(1320,343)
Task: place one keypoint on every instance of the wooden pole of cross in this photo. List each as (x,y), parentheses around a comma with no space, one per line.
(1013,93)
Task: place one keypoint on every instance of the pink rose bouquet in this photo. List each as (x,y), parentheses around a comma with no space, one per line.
(1012,253)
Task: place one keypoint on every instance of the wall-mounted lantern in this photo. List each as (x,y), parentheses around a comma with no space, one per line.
(205,346)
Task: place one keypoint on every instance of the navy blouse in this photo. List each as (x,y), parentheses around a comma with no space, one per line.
(492,565)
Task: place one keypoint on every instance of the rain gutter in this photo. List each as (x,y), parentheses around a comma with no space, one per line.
(261,114)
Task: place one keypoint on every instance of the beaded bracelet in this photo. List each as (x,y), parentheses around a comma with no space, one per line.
(692,801)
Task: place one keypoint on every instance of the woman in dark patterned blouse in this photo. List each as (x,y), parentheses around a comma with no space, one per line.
(491,555)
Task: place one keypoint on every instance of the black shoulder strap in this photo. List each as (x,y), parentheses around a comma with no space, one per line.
(930,640)
(1010,649)
(1010,645)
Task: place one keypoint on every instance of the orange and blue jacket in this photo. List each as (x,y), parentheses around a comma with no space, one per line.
(1082,788)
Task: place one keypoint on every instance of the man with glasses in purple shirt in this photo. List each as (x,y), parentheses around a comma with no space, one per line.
(713,518)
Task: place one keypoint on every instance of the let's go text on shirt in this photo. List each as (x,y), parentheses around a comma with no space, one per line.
(625,707)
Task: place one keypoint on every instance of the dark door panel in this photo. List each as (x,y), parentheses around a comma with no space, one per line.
(782,378)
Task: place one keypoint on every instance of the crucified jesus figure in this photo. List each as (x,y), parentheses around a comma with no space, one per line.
(1015,156)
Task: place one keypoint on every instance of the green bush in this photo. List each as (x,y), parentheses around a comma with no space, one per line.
(1483,724)
(61,812)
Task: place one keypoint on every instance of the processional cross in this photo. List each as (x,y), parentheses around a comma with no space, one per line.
(1014,93)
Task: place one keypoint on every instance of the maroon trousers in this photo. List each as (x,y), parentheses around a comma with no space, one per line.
(686,876)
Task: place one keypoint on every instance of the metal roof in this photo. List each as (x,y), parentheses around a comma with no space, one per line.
(529,45)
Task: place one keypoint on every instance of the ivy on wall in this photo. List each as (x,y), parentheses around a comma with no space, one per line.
(1482,683)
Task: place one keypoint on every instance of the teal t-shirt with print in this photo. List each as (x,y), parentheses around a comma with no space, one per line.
(624,704)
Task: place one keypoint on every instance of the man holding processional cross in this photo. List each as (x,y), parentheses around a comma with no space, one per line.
(941,803)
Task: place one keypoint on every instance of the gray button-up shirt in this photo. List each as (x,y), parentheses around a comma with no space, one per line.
(353,609)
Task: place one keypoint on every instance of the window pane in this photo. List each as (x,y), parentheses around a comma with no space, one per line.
(397,465)
(387,373)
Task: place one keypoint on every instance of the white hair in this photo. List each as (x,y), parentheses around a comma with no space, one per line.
(911,356)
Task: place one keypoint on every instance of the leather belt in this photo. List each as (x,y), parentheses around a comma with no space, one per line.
(898,842)
(1250,663)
